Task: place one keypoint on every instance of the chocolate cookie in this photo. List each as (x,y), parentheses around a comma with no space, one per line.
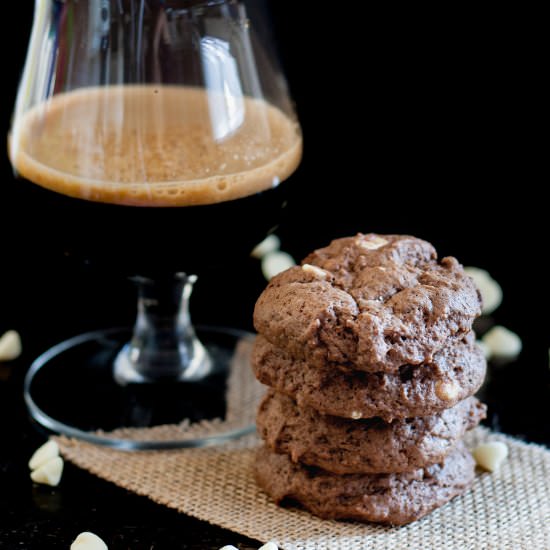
(454,374)
(343,446)
(395,499)
(370,303)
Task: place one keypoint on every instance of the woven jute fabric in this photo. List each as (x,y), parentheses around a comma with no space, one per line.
(508,509)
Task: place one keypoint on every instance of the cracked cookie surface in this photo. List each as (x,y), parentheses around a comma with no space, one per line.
(343,446)
(454,374)
(369,302)
(394,499)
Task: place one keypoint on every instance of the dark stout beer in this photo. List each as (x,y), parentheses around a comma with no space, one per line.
(145,179)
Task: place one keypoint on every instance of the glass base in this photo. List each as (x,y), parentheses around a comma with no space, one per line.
(70,389)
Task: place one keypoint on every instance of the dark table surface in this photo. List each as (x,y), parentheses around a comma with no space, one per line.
(440,142)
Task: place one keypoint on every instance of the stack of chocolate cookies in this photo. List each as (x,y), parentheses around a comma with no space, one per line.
(371,361)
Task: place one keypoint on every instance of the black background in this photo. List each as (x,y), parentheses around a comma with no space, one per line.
(422,121)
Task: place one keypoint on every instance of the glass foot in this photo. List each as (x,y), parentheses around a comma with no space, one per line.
(70,389)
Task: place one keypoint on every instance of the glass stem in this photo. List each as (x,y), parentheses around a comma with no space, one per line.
(164,346)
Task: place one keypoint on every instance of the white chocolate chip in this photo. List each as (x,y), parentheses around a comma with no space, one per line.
(490,290)
(448,391)
(270,244)
(503,343)
(10,346)
(276,262)
(485,349)
(315,271)
(49,473)
(490,455)
(44,454)
(269,546)
(356,415)
(371,244)
(88,541)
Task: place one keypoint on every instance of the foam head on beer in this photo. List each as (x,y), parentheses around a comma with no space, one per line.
(155,145)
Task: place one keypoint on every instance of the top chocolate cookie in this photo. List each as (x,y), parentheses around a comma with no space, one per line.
(369,302)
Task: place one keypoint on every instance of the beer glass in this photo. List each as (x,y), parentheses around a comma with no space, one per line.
(153,138)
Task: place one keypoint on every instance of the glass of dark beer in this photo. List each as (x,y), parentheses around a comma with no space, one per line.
(154,138)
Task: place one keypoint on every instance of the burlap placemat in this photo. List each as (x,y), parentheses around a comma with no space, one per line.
(509,509)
